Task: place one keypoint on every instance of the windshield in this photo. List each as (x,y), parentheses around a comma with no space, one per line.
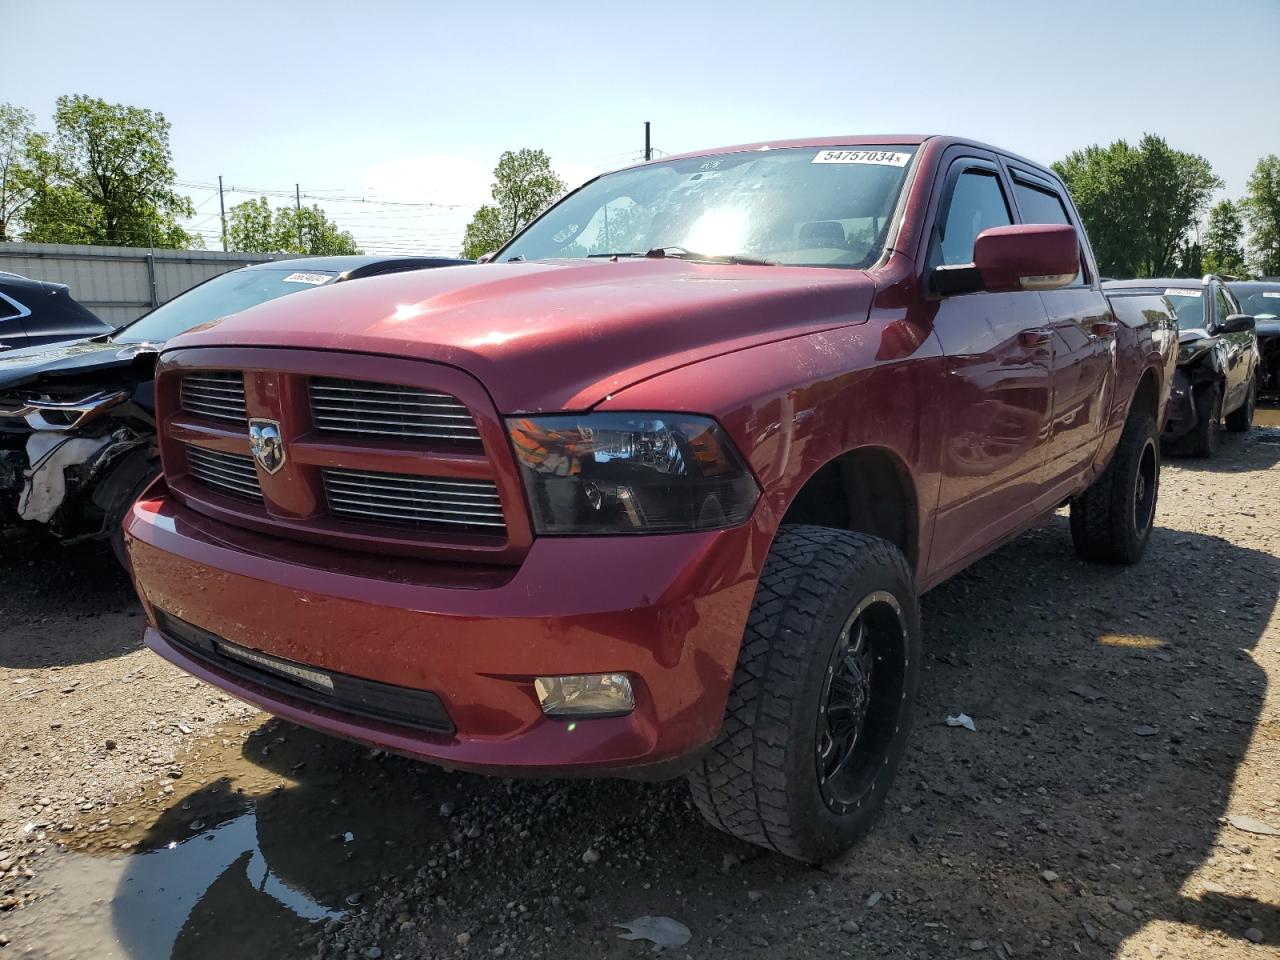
(225,294)
(798,206)
(1189,306)
(1259,303)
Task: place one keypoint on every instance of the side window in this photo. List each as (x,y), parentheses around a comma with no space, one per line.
(1039,206)
(1221,307)
(1044,206)
(9,308)
(976,203)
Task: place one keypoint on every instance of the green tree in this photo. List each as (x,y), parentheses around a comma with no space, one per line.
(107,177)
(1224,241)
(1261,207)
(20,149)
(321,237)
(484,233)
(1139,204)
(253,226)
(523,186)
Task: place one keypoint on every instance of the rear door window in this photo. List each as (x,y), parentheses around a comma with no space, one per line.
(9,308)
(1043,205)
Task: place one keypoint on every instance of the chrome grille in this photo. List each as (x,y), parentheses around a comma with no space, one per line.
(366,409)
(410,501)
(214,394)
(229,472)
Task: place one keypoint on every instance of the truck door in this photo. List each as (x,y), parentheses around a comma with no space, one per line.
(996,397)
(1084,333)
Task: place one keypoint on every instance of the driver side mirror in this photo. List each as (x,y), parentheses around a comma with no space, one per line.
(1024,256)
(1238,323)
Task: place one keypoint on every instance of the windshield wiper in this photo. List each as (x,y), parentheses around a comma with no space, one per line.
(680,253)
(675,252)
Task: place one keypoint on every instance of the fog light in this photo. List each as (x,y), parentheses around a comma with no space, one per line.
(592,694)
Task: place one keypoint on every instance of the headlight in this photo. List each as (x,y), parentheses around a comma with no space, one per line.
(607,473)
(1189,351)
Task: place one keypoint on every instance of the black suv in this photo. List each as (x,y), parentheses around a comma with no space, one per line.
(1261,300)
(1216,381)
(33,312)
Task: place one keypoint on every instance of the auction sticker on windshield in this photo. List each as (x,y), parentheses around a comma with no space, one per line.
(1175,292)
(315,279)
(886,158)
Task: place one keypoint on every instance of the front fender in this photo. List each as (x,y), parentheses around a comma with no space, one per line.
(792,407)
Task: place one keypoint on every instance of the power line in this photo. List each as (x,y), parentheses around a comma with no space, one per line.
(297,195)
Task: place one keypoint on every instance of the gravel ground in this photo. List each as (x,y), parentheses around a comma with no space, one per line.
(1107,804)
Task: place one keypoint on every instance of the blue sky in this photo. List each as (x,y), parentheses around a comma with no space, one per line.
(414,101)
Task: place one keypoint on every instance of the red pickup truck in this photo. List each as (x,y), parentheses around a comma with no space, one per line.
(656,490)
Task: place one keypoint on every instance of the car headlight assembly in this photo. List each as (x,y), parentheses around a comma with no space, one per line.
(622,473)
(1189,351)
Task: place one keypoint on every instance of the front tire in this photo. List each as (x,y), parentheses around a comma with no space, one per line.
(1241,420)
(820,708)
(1204,440)
(1111,521)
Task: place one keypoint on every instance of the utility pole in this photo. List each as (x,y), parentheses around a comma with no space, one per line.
(222,208)
(648,149)
(297,199)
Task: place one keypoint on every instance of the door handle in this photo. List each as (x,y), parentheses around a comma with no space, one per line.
(1103,329)
(1037,337)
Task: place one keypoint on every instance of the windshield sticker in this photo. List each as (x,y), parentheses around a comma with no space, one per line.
(315,279)
(884,158)
(1175,292)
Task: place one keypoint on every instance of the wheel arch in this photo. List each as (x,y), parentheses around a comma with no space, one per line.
(1146,396)
(867,489)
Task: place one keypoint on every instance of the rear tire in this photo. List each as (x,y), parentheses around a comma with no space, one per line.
(820,708)
(1241,420)
(1204,440)
(1111,521)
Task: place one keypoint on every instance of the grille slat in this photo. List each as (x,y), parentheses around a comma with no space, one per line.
(370,409)
(403,500)
(228,472)
(475,499)
(214,394)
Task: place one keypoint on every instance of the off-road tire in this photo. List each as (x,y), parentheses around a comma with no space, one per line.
(1111,521)
(760,781)
(1204,439)
(1241,419)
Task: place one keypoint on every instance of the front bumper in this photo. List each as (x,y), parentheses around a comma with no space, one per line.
(667,610)
(1184,414)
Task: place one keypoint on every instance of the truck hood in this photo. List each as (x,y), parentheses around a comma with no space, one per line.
(560,334)
(71,358)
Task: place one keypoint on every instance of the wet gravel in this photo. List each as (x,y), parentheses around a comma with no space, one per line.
(1108,802)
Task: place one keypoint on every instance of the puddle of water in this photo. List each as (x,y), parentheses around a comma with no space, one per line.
(1268,416)
(274,835)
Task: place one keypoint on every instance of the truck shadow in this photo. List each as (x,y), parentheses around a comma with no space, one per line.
(62,606)
(1112,706)
(1260,449)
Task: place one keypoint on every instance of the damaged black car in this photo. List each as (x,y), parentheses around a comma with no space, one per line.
(1261,300)
(1216,382)
(77,418)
